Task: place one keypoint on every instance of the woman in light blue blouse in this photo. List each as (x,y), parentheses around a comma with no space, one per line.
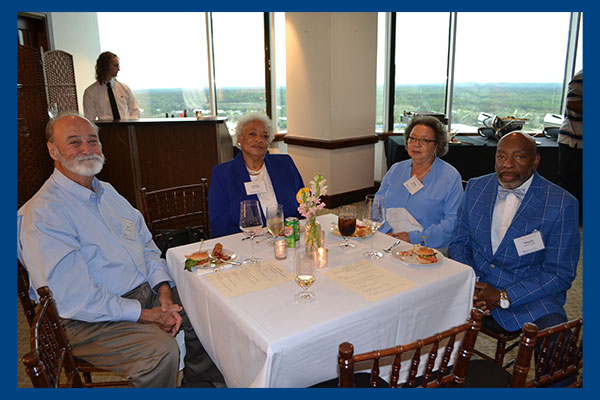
(422,194)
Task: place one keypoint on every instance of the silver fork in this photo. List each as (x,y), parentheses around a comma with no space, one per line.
(389,249)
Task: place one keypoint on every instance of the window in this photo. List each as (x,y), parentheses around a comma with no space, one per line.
(380,96)
(280,73)
(421,59)
(509,64)
(238,40)
(506,64)
(165,68)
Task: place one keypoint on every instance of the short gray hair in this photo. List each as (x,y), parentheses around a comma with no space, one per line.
(441,135)
(255,116)
(50,124)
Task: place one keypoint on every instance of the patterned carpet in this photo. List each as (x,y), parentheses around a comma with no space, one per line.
(574,309)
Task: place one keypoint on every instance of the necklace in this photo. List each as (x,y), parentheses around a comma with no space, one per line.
(255,173)
(420,177)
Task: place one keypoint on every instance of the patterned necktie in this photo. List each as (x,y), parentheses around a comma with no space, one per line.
(113,103)
(518,192)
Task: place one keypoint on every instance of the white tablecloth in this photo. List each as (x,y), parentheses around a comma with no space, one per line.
(266,339)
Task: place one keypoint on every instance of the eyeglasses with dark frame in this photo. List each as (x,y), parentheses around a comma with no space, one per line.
(414,140)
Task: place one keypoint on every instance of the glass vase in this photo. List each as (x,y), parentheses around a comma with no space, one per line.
(314,236)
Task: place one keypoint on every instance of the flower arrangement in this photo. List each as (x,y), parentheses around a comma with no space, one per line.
(309,200)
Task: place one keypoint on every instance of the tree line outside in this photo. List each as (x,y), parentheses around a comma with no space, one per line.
(523,100)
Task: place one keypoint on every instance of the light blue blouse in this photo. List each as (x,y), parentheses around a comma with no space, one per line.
(76,241)
(434,206)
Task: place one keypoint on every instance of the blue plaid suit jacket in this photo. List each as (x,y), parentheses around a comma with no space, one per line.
(536,282)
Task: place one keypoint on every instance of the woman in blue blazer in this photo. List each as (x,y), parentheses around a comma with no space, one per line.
(252,174)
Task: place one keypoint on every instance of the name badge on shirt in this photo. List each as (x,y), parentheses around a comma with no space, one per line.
(529,243)
(413,185)
(128,229)
(255,187)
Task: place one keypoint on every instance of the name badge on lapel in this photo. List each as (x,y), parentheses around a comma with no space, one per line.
(255,187)
(128,229)
(413,185)
(529,243)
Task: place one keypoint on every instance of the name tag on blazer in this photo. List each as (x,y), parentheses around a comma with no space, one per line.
(255,187)
(529,243)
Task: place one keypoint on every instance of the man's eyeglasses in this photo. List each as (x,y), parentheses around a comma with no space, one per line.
(419,141)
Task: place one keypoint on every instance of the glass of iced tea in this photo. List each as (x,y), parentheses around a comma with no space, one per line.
(347,224)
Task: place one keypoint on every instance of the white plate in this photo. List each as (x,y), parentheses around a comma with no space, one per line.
(207,265)
(411,259)
(335,231)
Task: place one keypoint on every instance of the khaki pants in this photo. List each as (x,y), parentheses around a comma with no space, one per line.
(144,353)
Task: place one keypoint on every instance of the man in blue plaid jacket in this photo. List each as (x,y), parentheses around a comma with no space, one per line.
(520,233)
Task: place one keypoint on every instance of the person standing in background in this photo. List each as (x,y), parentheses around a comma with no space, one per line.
(107,98)
(570,142)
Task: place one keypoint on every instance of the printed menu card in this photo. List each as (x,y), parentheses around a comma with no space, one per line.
(247,279)
(369,280)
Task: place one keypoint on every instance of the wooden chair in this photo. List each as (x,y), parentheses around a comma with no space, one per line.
(50,354)
(559,356)
(430,379)
(177,207)
(505,342)
(29,309)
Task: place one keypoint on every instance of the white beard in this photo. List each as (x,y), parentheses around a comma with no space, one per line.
(87,166)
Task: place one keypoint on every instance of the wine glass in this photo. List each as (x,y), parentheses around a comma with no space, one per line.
(347,224)
(373,217)
(305,274)
(250,224)
(274,221)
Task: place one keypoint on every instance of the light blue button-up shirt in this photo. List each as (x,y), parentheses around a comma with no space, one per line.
(76,242)
(434,206)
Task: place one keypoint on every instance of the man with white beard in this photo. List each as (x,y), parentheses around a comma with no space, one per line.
(84,241)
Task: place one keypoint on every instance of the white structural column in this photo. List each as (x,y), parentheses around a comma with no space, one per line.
(331,63)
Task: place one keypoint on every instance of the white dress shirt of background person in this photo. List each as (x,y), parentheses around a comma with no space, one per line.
(83,240)
(96,103)
(422,194)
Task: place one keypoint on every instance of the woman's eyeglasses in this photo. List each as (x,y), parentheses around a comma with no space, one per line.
(419,141)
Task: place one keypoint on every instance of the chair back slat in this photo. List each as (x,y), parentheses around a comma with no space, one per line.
(559,354)
(456,377)
(375,372)
(431,362)
(396,367)
(50,354)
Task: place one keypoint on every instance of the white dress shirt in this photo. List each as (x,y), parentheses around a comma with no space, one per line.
(267,198)
(504,212)
(96,104)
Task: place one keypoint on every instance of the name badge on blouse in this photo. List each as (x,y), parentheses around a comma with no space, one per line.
(413,185)
(128,229)
(529,243)
(255,187)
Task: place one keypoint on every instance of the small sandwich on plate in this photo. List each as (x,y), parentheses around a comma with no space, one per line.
(424,254)
(196,259)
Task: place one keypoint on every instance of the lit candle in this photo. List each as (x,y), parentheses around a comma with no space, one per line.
(321,257)
(280,249)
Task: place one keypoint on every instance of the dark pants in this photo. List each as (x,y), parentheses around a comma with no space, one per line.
(570,172)
(543,322)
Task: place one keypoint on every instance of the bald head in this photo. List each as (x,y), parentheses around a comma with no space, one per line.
(65,120)
(516,159)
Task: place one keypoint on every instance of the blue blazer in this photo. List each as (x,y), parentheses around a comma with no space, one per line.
(227,190)
(536,282)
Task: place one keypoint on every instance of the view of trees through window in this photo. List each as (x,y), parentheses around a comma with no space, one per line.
(498,70)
